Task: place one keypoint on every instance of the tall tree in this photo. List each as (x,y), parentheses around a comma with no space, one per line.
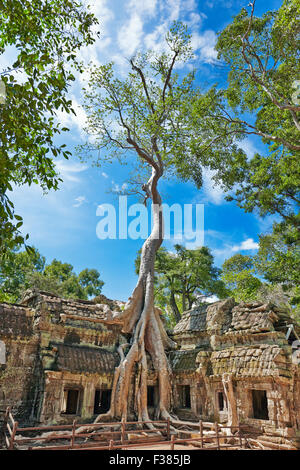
(184,277)
(43,38)
(270,275)
(239,276)
(261,99)
(143,115)
(15,269)
(28,270)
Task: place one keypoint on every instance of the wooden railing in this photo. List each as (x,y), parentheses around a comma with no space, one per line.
(13,433)
(222,437)
(10,427)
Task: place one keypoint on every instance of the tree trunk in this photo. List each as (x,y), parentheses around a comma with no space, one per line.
(174,307)
(232,418)
(184,302)
(142,320)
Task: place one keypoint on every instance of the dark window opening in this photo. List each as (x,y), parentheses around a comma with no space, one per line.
(102,401)
(185,396)
(151,395)
(221,401)
(260,404)
(71,401)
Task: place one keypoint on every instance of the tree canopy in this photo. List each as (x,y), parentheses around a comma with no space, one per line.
(261,99)
(238,274)
(270,275)
(44,36)
(28,270)
(143,114)
(184,278)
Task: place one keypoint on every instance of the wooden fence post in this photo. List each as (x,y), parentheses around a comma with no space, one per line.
(73,433)
(12,437)
(240,436)
(123,431)
(201,432)
(217,435)
(168,429)
(172,442)
(111,445)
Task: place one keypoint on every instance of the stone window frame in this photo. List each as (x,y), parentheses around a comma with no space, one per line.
(101,388)
(79,388)
(250,401)
(179,395)
(217,402)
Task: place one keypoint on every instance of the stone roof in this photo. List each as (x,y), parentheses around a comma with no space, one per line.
(255,317)
(85,359)
(225,316)
(251,361)
(183,360)
(60,307)
(192,321)
(15,321)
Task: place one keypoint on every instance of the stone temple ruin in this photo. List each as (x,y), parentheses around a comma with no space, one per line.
(233,363)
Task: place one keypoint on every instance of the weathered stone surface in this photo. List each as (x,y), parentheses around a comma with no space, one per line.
(54,345)
(248,342)
(84,359)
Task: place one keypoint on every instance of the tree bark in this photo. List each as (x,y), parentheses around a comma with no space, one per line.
(184,302)
(174,307)
(232,418)
(142,320)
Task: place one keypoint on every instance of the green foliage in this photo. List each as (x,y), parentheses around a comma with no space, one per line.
(278,257)
(15,269)
(184,278)
(90,282)
(238,274)
(143,114)
(261,99)
(278,260)
(23,270)
(46,36)
(271,275)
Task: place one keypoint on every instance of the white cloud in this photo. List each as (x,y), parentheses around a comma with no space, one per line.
(227,250)
(249,148)
(71,120)
(195,20)
(155,39)
(79,201)
(103,13)
(105,175)
(205,43)
(246,245)
(174,9)
(212,190)
(130,35)
(116,188)
(69,171)
(188,5)
(144,7)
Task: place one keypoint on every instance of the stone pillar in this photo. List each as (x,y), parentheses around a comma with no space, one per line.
(87,410)
(232,419)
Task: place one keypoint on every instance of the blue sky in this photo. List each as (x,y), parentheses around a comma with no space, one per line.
(62,224)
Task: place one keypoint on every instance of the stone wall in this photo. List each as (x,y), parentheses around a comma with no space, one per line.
(21,368)
(53,344)
(61,355)
(247,341)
